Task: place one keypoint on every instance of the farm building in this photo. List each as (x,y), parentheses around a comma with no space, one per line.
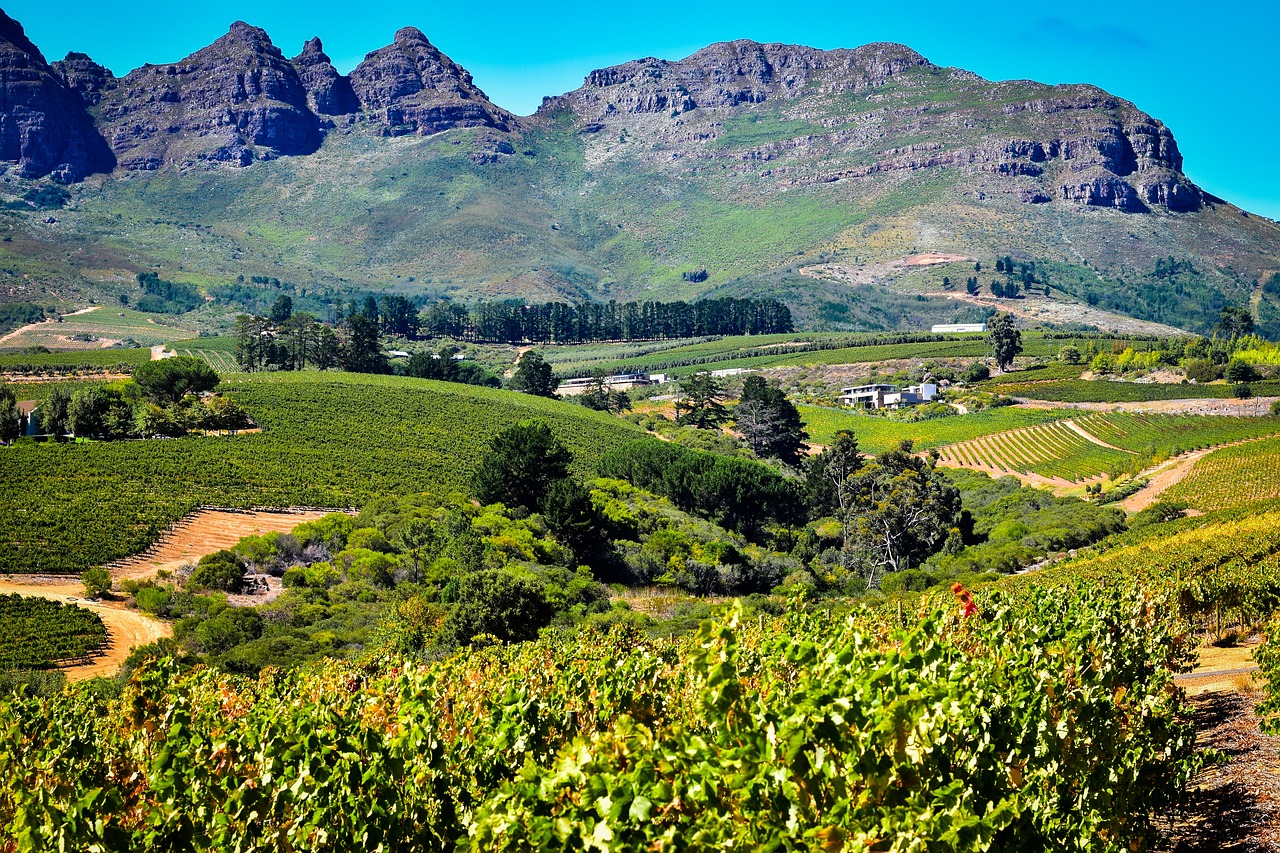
(951,328)
(620,382)
(888,396)
(28,420)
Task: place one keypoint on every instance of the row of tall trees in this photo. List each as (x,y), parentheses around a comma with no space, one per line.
(559,322)
(299,341)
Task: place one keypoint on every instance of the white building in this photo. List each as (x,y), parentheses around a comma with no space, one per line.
(888,396)
(950,328)
(620,382)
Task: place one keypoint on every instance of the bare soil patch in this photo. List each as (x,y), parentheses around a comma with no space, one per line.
(1234,804)
(204,532)
(1256,406)
(929,259)
(126,629)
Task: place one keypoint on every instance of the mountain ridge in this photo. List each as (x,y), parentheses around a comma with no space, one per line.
(242,98)
(750,161)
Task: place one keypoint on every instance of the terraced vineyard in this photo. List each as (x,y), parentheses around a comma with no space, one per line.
(1053,450)
(219,361)
(218,352)
(1078,449)
(1233,476)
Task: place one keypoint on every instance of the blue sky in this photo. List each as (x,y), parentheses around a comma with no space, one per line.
(1208,70)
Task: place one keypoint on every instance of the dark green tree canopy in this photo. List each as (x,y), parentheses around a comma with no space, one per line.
(521,464)
(220,570)
(364,346)
(900,512)
(170,379)
(8,413)
(282,309)
(1004,338)
(502,604)
(741,494)
(701,402)
(770,422)
(827,483)
(1235,320)
(533,376)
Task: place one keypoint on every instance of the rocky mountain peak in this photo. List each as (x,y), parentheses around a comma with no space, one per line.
(44,128)
(411,36)
(409,86)
(79,73)
(729,74)
(15,38)
(236,99)
(328,92)
(242,34)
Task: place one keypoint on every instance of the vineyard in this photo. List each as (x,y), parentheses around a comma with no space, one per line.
(36,633)
(77,361)
(1078,449)
(877,433)
(218,352)
(219,361)
(1224,572)
(808,350)
(93,330)
(1105,391)
(1041,719)
(329,440)
(1232,476)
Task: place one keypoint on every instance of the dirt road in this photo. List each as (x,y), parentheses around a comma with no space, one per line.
(1164,476)
(19,332)
(1255,406)
(126,629)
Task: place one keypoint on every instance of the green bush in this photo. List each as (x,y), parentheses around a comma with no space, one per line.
(222,570)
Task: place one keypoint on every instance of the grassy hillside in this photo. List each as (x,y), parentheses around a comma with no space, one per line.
(333,440)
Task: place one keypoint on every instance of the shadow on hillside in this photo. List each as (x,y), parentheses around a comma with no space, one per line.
(1232,804)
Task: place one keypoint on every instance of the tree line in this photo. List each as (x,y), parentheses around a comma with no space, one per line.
(559,322)
(163,399)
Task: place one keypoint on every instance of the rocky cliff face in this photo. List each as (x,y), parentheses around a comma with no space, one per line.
(411,87)
(734,73)
(829,116)
(234,100)
(772,117)
(44,129)
(85,77)
(240,99)
(328,92)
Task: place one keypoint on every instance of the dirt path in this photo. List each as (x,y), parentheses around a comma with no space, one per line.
(1167,474)
(126,629)
(206,531)
(1255,406)
(16,333)
(1233,805)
